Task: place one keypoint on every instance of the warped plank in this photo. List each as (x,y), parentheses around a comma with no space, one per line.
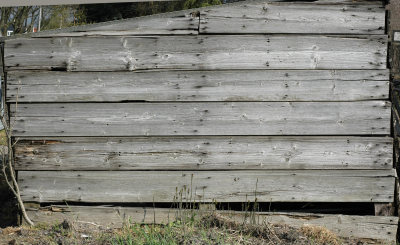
(208,186)
(257,85)
(289,17)
(214,118)
(197,52)
(362,227)
(204,153)
(161,24)
(15,3)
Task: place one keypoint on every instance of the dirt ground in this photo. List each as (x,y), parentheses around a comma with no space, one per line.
(210,229)
(8,206)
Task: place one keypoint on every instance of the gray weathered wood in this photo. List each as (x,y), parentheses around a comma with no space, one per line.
(17,3)
(183,24)
(221,186)
(257,85)
(197,52)
(364,227)
(214,118)
(204,153)
(289,17)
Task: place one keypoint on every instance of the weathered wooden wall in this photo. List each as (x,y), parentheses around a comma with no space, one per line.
(393,28)
(285,101)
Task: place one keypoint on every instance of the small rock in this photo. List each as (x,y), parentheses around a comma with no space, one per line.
(85,236)
(66,225)
(23,232)
(59,241)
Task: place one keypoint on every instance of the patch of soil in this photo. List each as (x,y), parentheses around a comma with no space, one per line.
(8,205)
(209,229)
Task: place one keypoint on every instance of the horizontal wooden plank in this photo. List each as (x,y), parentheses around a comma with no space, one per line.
(17,3)
(214,118)
(142,24)
(182,24)
(362,227)
(208,186)
(300,17)
(197,52)
(204,153)
(240,85)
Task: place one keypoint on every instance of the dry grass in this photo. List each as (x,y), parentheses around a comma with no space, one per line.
(205,229)
(320,235)
(3,138)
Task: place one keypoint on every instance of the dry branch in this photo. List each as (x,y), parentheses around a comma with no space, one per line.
(8,159)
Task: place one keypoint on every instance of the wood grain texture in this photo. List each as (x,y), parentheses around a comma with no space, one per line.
(18,3)
(300,17)
(240,85)
(204,153)
(214,118)
(197,52)
(183,24)
(364,227)
(208,186)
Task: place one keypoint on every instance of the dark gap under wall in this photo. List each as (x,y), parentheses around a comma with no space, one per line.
(303,207)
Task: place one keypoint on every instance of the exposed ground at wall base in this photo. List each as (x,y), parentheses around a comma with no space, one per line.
(348,226)
(211,228)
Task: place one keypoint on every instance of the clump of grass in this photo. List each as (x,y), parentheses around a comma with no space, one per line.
(144,234)
(3,137)
(320,235)
(207,229)
(178,232)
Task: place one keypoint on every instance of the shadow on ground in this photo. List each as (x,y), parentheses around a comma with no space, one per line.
(8,205)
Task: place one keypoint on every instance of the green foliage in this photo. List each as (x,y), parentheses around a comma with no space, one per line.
(61,16)
(24,19)
(188,4)
(148,234)
(105,12)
